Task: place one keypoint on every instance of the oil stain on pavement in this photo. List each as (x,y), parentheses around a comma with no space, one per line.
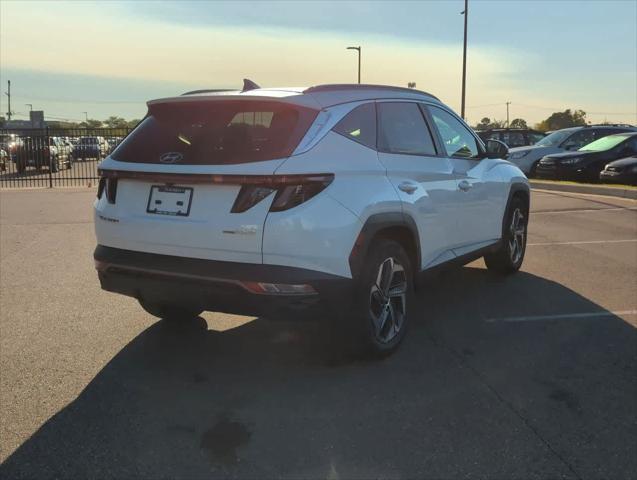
(223,439)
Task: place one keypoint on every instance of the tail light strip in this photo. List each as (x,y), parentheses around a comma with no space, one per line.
(205,178)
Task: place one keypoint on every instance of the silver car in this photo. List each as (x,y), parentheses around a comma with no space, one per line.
(567,139)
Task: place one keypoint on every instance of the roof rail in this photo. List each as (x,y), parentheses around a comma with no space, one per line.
(358,86)
(611,125)
(212,90)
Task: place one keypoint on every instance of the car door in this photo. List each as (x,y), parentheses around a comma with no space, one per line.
(421,175)
(480,194)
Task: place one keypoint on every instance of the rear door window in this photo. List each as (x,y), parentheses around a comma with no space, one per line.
(359,125)
(216,132)
(402,129)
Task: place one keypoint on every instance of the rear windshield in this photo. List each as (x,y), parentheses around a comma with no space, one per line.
(216,133)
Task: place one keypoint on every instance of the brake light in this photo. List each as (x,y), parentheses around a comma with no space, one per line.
(100,187)
(291,190)
(111,189)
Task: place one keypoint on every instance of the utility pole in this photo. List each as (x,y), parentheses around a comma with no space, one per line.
(359,60)
(464,57)
(8,94)
(508,103)
(86,117)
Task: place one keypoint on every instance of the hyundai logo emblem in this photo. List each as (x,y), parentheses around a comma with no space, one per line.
(171,157)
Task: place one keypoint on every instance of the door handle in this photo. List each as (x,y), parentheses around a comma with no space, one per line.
(464,185)
(407,187)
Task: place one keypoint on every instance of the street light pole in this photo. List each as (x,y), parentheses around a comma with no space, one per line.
(508,103)
(86,117)
(30,106)
(464,57)
(359,60)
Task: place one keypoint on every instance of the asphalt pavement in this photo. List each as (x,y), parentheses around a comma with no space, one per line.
(533,375)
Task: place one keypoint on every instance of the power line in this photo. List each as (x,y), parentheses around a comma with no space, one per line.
(80,101)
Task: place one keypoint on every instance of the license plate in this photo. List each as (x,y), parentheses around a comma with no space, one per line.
(169,200)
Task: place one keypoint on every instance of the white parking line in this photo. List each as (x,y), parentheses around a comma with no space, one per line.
(587,210)
(563,316)
(583,242)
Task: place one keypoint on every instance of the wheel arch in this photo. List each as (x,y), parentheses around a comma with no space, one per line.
(393,225)
(521,191)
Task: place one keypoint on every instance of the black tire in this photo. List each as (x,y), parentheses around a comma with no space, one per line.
(510,254)
(170,312)
(375,336)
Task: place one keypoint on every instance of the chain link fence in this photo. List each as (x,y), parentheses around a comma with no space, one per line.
(54,157)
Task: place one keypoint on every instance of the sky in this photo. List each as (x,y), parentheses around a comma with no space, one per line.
(108,58)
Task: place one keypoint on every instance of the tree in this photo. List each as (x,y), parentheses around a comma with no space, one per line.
(565,119)
(518,123)
(91,123)
(486,124)
(115,122)
(133,123)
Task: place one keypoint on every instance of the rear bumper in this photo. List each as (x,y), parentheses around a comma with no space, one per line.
(216,285)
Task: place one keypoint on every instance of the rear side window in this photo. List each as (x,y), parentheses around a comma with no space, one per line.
(359,125)
(402,129)
(216,132)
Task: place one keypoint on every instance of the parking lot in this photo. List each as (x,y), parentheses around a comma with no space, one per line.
(528,376)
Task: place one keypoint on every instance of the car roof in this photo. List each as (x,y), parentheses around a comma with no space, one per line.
(321,96)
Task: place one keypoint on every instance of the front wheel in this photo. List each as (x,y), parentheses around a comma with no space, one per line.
(510,255)
(170,312)
(384,297)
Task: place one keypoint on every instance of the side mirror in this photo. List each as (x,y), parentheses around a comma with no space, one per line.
(496,149)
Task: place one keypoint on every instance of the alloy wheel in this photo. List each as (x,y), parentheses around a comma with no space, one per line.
(388,300)
(517,236)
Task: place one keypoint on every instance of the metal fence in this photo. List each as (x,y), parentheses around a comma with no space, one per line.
(54,157)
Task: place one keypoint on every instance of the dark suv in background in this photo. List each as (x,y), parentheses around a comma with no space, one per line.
(513,137)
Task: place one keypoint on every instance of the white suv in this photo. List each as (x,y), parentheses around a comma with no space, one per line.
(329,201)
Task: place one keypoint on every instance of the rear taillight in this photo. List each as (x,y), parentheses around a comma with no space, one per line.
(100,187)
(291,190)
(111,189)
(108,186)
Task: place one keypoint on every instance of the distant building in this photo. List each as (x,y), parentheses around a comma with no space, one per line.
(36,120)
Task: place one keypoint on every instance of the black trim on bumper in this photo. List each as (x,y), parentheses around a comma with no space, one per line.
(215,285)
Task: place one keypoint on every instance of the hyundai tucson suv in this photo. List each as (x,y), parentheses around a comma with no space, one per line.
(565,140)
(326,202)
(587,163)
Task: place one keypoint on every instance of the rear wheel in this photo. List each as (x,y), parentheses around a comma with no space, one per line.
(168,311)
(510,255)
(384,297)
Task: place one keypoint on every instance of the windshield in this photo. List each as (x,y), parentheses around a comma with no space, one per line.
(555,138)
(605,143)
(217,132)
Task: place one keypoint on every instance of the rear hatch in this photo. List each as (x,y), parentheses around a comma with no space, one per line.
(193,178)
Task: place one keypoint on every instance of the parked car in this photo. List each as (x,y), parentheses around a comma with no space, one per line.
(567,139)
(41,152)
(4,160)
(587,163)
(622,171)
(326,202)
(513,137)
(91,147)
